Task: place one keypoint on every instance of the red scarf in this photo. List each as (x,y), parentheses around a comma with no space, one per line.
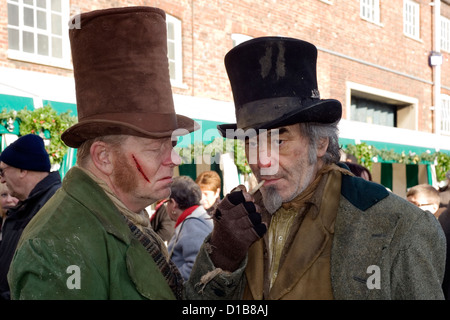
(185,214)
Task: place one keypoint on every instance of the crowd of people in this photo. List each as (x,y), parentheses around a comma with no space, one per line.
(316,228)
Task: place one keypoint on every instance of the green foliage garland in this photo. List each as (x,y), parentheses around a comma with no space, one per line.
(366,154)
(213,150)
(45,122)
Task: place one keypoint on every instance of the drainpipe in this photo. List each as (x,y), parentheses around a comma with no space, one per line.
(436,64)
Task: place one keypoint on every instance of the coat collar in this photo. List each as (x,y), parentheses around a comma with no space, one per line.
(308,244)
(79,185)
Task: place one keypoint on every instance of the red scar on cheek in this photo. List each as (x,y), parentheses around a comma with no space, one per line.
(138,166)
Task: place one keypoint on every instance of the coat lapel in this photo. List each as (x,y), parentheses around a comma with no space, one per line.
(311,239)
(255,269)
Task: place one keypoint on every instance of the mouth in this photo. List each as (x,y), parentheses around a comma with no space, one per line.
(166,179)
(271,181)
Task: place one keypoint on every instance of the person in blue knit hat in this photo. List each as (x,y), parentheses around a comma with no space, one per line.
(25,169)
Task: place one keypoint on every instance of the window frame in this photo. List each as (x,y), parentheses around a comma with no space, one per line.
(445,34)
(35,57)
(177,60)
(407,107)
(411,29)
(369,10)
(445,115)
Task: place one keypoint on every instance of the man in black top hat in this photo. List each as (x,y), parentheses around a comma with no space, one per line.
(25,168)
(313,230)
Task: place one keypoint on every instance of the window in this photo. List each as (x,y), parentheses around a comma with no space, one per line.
(370,10)
(238,38)
(174,50)
(37,31)
(375,112)
(445,34)
(445,114)
(381,107)
(411,19)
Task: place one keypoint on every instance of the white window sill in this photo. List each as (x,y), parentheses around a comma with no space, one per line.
(43,60)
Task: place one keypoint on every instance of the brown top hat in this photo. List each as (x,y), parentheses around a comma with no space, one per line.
(274,84)
(122,77)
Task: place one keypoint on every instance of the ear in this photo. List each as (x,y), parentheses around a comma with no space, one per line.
(102,157)
(23,173)
(174,204)
(322,147)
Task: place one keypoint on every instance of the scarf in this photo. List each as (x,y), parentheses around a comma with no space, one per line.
(139,225)
(185,214)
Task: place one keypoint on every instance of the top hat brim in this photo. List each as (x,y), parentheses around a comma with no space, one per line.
(77,134)
(324,111)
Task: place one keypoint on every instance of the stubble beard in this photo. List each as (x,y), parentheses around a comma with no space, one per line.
(273,200)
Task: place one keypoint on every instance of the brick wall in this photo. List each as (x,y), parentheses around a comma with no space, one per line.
(337,28)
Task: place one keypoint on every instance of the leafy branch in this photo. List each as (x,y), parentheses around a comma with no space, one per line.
(46,123)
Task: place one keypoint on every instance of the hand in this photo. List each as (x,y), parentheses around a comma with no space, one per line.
(237,225)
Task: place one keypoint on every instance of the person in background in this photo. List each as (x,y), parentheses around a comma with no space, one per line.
(424,196)
(210,184)
(161,222)
(444,192)
(359,170)
(25,170)
(7,201)
(192,223)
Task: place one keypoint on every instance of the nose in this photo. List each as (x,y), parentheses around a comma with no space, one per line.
(264,158)
(171,157)
(175,158)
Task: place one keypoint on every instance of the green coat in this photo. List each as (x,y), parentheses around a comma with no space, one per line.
(79,246)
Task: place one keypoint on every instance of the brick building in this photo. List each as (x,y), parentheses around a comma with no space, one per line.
(386,61)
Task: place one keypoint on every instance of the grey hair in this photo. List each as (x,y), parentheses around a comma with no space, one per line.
(185,192)
(317,132)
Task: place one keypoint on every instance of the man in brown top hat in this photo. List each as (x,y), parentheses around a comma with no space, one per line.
(93,239)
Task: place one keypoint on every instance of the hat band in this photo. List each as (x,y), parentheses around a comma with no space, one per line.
(151,122)
(265,110)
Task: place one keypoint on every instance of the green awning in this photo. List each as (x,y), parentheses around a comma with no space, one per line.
(10,102)
(62,107)
(206,134)
(343,142)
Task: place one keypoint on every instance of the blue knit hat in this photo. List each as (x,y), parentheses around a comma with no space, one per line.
(28,153)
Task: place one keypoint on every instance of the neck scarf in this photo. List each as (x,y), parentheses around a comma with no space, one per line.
(139,224)
(185,214)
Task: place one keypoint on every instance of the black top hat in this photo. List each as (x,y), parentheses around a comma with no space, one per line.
(274,84)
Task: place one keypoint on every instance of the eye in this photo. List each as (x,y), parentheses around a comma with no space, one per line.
(277,142)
